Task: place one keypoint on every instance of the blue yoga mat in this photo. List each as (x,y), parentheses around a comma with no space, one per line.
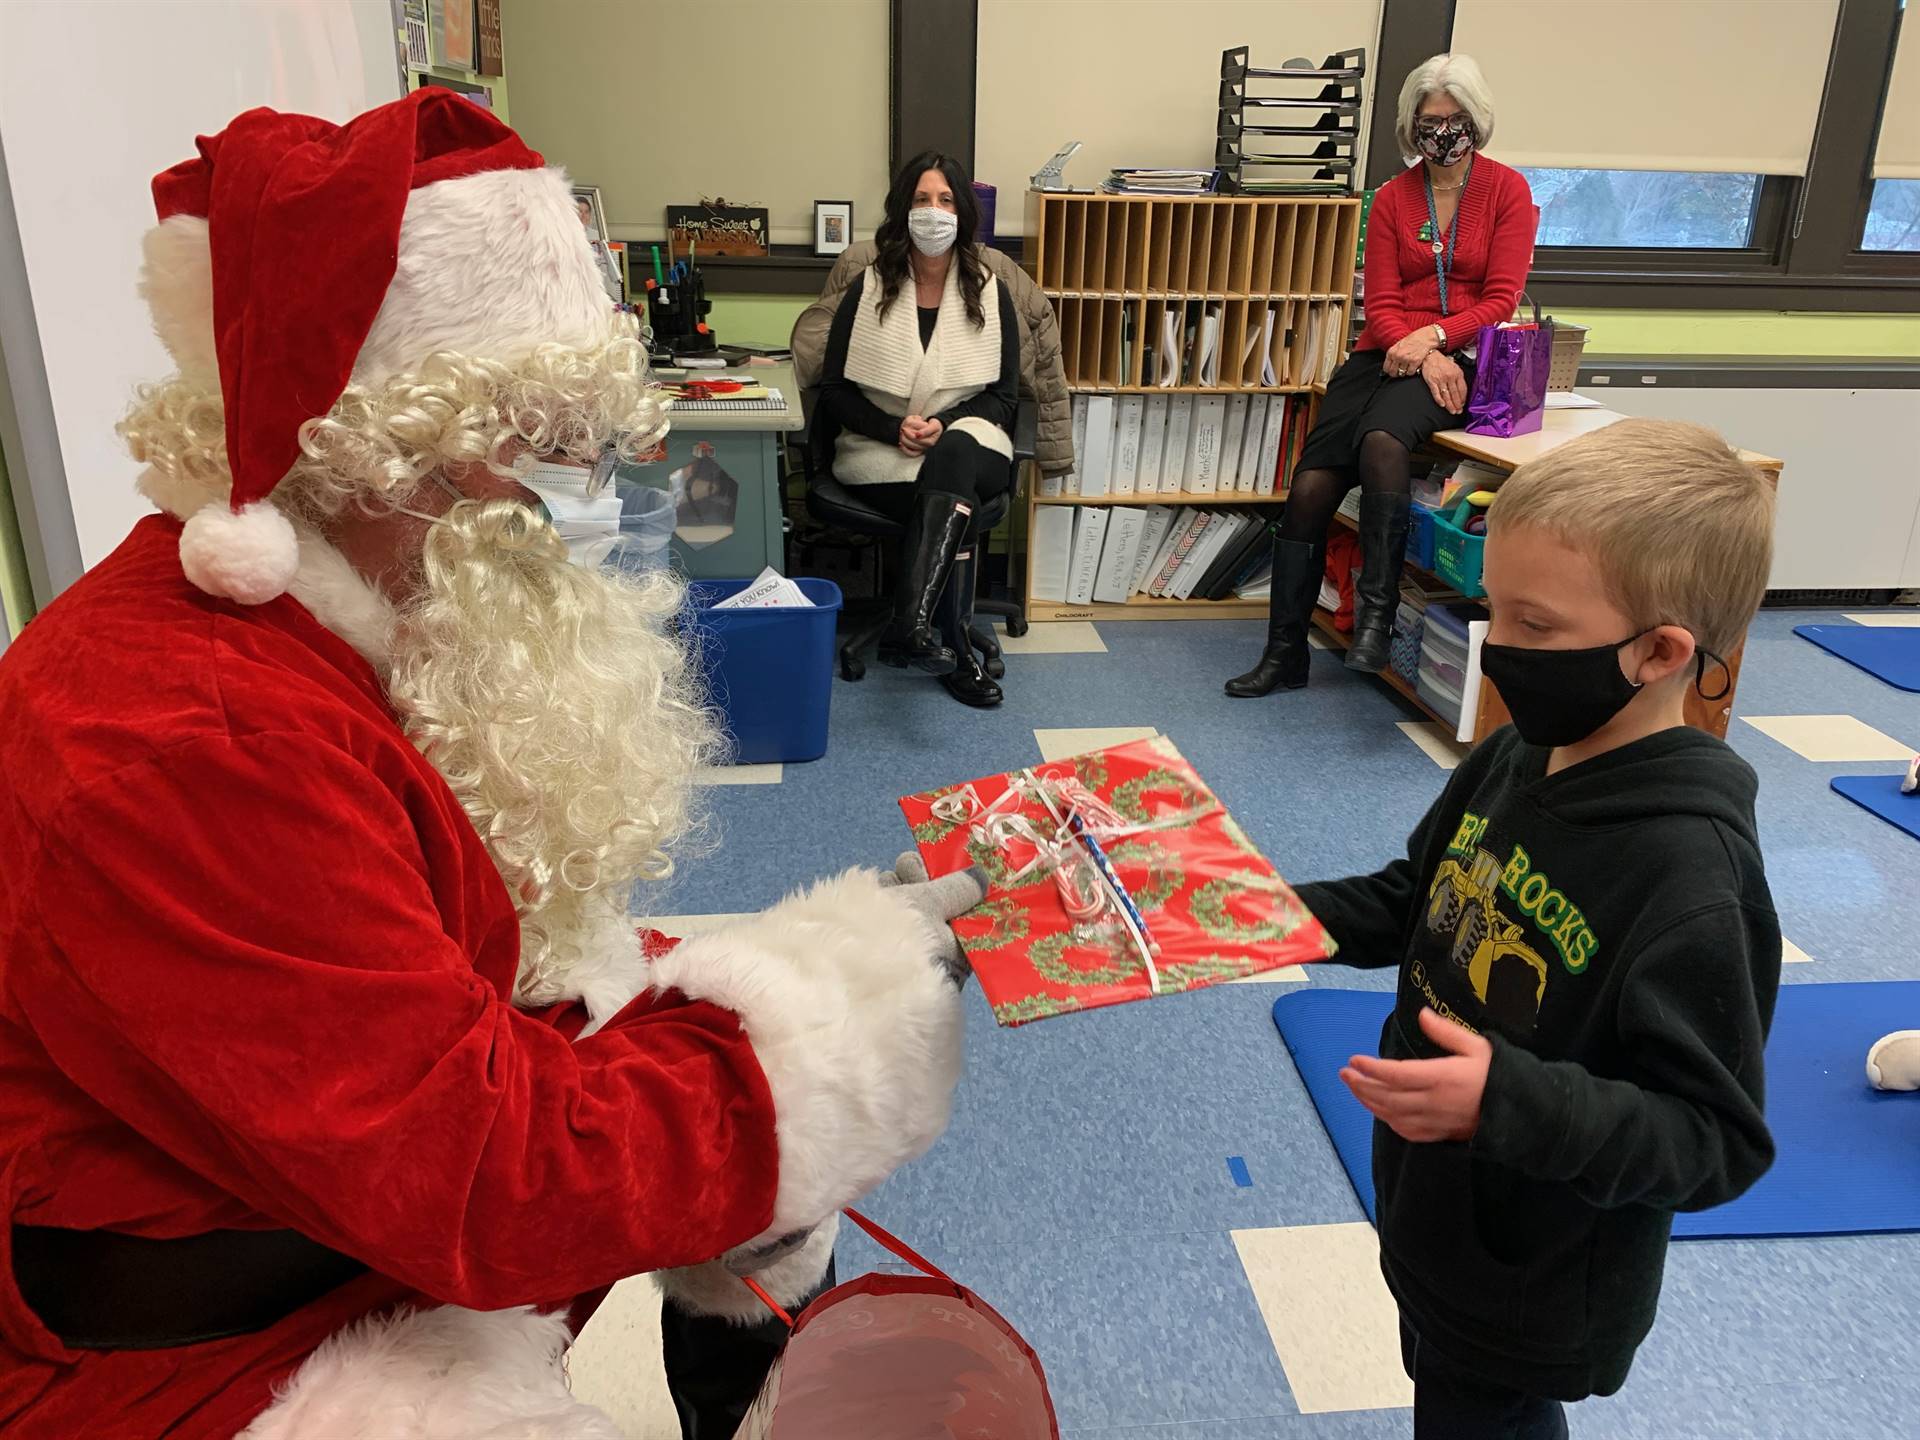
(1849,1155)
(1886,652)
(1881,794)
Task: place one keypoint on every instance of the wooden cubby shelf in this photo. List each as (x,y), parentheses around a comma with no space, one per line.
(1268,277)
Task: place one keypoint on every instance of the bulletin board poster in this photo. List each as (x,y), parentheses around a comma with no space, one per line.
(493,58)
(453,33)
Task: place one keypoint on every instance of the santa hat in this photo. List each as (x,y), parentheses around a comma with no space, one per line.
(295,255)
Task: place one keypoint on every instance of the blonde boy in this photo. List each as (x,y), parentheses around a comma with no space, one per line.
(1588,951)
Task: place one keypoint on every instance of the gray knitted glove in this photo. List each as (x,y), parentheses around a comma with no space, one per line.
(942,901)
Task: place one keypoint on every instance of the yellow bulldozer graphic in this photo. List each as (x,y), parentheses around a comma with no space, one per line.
(1506,975)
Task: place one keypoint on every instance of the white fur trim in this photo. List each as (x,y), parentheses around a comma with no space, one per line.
(441,1374)
(855,1025)
(176,281)
(492,265)
(712,1289)
(343,600)
(250,556)
(612,969)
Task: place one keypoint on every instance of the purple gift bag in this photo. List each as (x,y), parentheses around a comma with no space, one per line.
(1510,378)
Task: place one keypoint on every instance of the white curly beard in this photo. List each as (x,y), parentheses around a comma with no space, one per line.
(563,715)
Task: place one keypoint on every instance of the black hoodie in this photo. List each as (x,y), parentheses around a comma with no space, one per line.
(1610,930)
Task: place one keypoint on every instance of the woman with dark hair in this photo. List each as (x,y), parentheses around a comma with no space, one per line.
(924,395)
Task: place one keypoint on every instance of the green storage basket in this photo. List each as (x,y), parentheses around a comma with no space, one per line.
(1457,555)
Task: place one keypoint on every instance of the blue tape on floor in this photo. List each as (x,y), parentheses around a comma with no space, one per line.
(1881,794)
(1237,1168)
(1886,652)
(1849,1155)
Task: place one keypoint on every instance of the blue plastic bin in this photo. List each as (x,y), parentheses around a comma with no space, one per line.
(769,671)
(1420,537)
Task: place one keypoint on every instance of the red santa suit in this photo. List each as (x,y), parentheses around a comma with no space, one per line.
(257,968)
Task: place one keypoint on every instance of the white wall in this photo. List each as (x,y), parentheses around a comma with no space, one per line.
(1136,81)
(95,99)
(1849,508)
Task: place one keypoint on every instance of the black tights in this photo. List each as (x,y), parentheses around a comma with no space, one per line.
(1385,468)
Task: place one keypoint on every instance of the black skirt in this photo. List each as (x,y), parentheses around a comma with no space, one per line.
(1362,398)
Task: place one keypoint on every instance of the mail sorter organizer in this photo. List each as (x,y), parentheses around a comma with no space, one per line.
(1188,296)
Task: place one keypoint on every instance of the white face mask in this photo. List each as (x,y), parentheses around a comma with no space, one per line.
(932,230)
(588,524)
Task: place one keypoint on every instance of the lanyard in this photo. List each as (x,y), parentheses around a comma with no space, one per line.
(1443,252)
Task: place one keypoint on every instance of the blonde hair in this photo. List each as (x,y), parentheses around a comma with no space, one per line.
(1678,525)
(564,714)
(382,438)
(1455,75)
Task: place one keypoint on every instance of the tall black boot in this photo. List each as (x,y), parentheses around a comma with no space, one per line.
(935,531)
(969,683)
(715,1368)
(1376,592)
(1297,568)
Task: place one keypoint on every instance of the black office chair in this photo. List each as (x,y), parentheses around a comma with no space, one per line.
(841,506)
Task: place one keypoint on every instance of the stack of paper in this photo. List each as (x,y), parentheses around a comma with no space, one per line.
(770,591)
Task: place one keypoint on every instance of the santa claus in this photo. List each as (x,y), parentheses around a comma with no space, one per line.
(332,1073)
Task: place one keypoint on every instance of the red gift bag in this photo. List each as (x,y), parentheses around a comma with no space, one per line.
(905,1357)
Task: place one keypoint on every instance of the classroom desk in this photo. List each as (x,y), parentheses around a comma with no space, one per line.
(745,533)
(1557,427)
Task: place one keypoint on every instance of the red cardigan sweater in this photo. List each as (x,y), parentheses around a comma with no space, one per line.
(1492,253)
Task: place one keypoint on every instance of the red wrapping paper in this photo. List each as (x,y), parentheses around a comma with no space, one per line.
(1215,905)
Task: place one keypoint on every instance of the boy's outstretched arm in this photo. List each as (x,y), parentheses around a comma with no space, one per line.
(1368,915)
(1683,1127)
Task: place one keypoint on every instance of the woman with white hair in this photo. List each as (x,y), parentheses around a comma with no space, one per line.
(1449,242)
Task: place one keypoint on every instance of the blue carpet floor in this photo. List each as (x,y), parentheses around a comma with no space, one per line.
(1085,1187)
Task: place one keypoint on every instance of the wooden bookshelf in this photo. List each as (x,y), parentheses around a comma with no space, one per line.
(1185,497)
(1114,266)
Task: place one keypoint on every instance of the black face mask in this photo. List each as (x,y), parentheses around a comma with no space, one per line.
(1560,697)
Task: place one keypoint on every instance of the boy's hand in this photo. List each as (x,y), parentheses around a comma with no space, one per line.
(1424,1100)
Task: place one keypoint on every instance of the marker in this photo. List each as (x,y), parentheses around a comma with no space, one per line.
(658,275)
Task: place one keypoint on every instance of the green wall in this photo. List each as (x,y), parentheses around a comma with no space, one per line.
(14,584)
(767,320)
(1636,333)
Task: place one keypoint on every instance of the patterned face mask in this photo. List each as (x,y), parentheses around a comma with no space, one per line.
(1444,142)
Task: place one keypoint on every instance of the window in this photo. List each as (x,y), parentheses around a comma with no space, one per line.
(1893,217)
(1656,209)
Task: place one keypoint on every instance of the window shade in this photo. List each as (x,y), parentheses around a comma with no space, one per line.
(1898,155)
(1137,82)
(762,102)
(1713,85)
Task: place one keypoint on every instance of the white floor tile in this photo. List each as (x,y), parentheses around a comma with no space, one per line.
(1830,737)
(1885,618)
(1054,637)
(741,775)
(1791,953)
(1285,975)
(1059,744)
(679,927)
(616,1364)
(1332,1321)
(1436,740)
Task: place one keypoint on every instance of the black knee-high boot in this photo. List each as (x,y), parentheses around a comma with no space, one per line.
(969,683)
(935,531)
(1297,568)
(715,1368)
(1376,592)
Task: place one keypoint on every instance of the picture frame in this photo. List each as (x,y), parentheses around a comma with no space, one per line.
(609,256)
(832,226)
(452,25)
(596,227)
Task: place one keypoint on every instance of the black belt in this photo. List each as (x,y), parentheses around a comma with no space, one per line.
(97,1290)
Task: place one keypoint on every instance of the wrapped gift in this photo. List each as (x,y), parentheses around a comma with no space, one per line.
(1115,876)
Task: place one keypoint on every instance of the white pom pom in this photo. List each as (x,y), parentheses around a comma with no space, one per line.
(250,557)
